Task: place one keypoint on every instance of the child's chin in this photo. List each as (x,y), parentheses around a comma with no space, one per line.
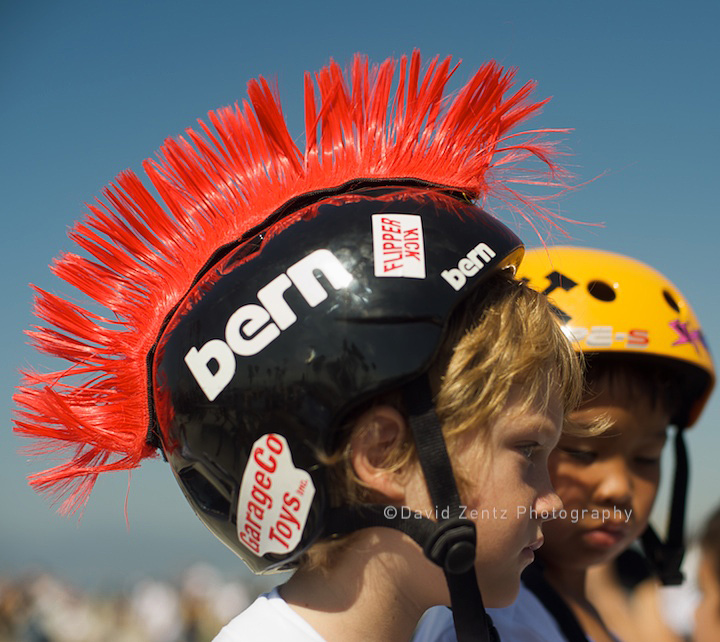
(597,557)
(501,597)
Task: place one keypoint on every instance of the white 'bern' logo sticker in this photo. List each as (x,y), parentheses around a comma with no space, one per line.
(254,326)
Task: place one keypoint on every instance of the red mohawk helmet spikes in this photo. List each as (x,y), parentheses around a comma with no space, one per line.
(220,184)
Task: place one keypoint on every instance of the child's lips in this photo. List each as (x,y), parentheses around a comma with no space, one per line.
(605,536)
(529,550)
(537,543)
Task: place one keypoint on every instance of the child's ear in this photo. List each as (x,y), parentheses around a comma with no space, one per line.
(380,433)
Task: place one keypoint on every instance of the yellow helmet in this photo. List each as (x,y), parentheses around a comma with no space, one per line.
(610,303)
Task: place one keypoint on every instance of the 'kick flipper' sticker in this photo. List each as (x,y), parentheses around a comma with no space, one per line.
(398,246)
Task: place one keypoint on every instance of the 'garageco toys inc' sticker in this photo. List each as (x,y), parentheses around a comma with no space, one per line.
(275,498)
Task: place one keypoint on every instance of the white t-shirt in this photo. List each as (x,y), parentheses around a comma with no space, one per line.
(268,619)
(525,620)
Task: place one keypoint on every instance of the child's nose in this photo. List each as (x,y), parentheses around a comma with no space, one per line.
(547,501)
(548,504)
(615,484)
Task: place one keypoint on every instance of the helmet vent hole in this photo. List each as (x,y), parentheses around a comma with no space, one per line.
(601,291)
(671,301)
(203,493)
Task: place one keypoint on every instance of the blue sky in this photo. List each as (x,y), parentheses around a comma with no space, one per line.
(92,88)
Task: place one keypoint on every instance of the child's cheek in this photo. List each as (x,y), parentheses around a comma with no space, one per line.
(570,485)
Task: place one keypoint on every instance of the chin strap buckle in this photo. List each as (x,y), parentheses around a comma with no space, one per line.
(452,546)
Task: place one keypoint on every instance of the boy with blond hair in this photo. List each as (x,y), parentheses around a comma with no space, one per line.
(328,347)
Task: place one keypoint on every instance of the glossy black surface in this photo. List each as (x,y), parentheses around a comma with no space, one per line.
(371,336)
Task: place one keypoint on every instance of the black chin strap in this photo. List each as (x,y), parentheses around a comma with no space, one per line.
(453,545)
(666,557)
(450,542)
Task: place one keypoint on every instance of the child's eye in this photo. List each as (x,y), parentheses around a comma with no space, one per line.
(648,461)
(582,456)
(528,450)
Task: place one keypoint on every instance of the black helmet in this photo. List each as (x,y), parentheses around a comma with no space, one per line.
(287,333)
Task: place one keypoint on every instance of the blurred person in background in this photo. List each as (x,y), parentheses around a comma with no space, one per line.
(707,615)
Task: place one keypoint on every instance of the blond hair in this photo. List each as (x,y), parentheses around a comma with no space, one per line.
(504,334)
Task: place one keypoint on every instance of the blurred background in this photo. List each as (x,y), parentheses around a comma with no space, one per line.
(88,89)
